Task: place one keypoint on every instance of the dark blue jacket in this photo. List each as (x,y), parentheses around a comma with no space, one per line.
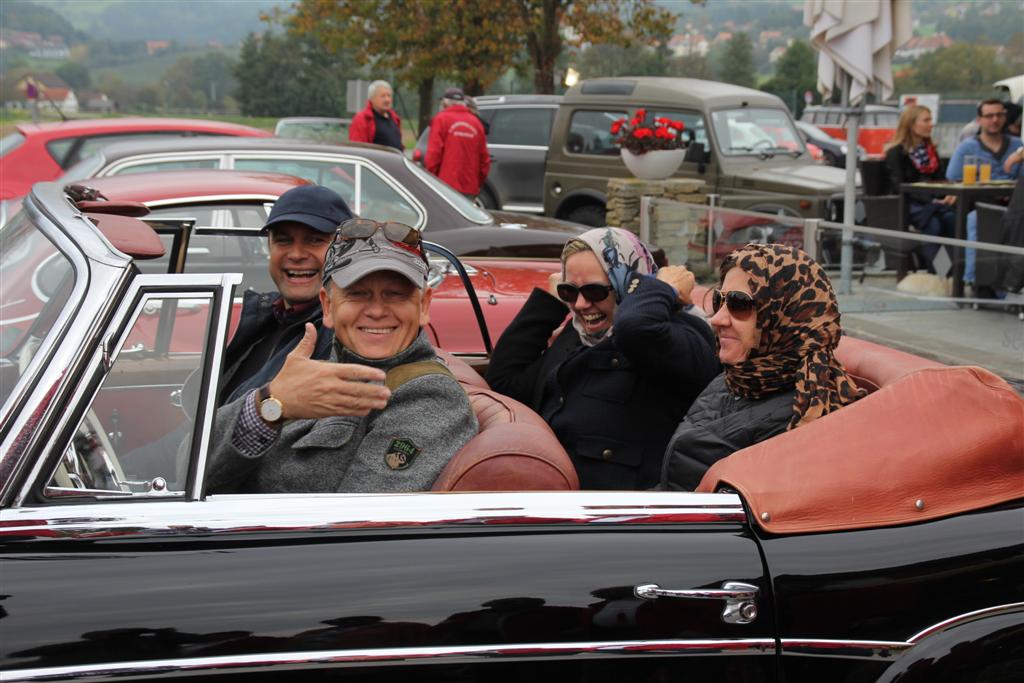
(613,405)
(257,328)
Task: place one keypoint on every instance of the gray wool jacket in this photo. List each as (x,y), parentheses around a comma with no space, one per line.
(400,448)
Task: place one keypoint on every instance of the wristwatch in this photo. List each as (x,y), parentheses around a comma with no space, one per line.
(270,408)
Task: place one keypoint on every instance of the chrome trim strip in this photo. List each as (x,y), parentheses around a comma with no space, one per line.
(317,513)
(523,208)
(885,649)
(412,655)
(966,618)
(844,649)
(220,320)
(210,199)
(539,148)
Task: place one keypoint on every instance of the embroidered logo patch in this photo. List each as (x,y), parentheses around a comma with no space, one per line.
(401,453)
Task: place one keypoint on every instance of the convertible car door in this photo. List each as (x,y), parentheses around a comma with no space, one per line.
(114,565)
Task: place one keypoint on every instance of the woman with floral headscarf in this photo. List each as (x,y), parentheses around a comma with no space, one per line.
(615,383)
(777,322)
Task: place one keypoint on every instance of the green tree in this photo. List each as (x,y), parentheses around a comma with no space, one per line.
(616,60)
(75,75)
(690,66)
(200,82)
(962,69)
(737,65)
(290,75)
(22,15)
(796,72)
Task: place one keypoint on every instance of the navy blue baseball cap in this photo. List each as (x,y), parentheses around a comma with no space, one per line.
(319,207)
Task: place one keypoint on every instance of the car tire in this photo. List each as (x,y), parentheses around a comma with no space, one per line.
(487,199)
(588,214)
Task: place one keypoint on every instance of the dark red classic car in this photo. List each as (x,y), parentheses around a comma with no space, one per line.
(882,542)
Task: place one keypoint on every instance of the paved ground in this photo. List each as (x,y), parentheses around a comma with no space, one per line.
(993,339)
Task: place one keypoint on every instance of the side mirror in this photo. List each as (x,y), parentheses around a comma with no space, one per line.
(697,154)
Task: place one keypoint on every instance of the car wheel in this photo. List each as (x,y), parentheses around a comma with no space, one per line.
(487,199)
(588,214)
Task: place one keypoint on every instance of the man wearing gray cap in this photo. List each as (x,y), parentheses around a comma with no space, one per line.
(408,414)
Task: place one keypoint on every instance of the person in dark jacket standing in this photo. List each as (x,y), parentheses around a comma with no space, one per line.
(457,147)
(910,158)
(617,380)
(777,322)
(378,122)
(299,230)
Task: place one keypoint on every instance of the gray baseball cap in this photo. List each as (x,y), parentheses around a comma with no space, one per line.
(349,260)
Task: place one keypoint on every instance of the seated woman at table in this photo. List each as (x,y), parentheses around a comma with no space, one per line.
(617,380)
(777,322)
(911,157)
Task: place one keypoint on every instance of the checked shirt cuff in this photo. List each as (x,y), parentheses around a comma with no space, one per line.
(252,435)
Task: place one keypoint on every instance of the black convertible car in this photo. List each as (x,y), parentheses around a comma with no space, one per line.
(884,542)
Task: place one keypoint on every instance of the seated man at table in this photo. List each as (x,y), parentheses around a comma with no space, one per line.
(393,415)
(991,146)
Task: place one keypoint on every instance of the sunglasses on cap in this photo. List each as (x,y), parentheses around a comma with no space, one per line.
(362,228)
(592,292)
(740,304)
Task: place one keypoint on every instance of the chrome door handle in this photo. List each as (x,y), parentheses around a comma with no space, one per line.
(739,597)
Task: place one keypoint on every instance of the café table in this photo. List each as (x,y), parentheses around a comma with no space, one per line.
(966,196)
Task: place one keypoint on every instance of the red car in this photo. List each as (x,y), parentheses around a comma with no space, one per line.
(43,151)
(223,212)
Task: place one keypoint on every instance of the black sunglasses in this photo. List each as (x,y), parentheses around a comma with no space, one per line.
(592,292)
(739,303)
(361,228)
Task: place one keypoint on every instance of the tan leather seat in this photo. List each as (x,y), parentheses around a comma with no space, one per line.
(514,451)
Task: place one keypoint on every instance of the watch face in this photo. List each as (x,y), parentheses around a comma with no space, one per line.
(270,410)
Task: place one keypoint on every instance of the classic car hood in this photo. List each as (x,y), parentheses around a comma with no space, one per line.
(508,219)
(794,177)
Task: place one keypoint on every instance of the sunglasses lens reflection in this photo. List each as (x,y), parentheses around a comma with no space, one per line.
(593,293)
(738,303)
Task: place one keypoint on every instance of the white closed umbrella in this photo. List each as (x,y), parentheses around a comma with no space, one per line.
(855,40)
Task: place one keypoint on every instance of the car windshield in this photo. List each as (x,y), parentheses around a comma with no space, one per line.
(37,283)
(451,195)
(762,132)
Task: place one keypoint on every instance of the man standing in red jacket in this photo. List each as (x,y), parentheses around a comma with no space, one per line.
(378,123)
(457,148)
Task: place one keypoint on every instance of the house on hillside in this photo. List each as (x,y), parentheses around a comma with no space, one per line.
(684,45)
(98,102)
(50,90)
(922,45)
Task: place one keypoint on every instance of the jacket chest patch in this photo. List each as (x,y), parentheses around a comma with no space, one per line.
(401,453)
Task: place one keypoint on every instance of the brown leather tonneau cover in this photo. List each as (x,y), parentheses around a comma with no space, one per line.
(936,442)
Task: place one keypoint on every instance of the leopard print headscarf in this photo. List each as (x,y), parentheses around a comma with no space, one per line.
(798,316)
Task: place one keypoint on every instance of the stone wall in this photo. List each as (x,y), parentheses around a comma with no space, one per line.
(677,229)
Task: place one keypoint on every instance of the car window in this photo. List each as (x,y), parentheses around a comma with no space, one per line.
(458,200)
(755,131)
(527,126)
(340,176)
(217,244)
(589,133)
(167,165)
(59,149)
(130,440)
(379,200)
(9,143)
(692,120)
(93,143)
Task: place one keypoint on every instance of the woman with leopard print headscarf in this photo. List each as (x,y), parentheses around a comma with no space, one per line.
(777,323)
(615,382)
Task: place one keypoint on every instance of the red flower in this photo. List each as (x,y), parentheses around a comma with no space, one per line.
(664,133)
(643,133)
(617,126)
(640,114)
(678,125)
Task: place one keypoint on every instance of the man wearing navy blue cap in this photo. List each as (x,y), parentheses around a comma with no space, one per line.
(299,230)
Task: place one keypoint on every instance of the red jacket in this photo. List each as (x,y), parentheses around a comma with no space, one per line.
(363,128)
(457,149)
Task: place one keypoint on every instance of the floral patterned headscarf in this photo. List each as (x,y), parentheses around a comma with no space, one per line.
(622,255)
(798,316)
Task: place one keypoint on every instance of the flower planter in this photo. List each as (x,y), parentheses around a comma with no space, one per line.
(656,164)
